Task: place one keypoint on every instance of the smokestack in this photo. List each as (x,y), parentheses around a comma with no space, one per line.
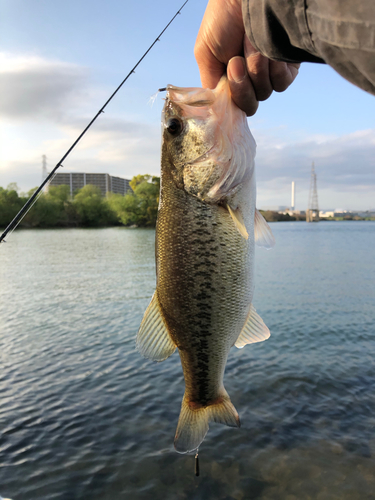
(293,192)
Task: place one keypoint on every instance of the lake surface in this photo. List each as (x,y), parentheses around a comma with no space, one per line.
(84,416)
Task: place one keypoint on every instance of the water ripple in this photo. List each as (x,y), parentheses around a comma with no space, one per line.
(82,415)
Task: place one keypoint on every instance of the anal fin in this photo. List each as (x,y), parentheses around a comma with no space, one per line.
(254,330)
(153,339)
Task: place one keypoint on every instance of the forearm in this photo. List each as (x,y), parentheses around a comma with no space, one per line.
(338,32)
(278,29)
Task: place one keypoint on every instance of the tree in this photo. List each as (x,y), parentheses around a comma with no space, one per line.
(141,206)
(61,193)
(138,179)
(126,208)
(10,204)
(92,208)
(13,187)
(89,208)
(50,208)
(148,194)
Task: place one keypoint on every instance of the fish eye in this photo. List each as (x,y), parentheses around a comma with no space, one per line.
(174,126)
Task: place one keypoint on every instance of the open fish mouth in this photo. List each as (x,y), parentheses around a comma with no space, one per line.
(229,150)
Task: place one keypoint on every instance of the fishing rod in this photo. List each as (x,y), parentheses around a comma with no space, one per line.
(21,214)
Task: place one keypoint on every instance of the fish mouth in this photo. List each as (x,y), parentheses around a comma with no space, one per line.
(195,97)
(200,103)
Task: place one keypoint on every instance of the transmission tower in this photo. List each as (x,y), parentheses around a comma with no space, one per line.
(44,167)
(312,212)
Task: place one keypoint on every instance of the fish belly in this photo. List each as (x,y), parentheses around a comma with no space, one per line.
(204,287)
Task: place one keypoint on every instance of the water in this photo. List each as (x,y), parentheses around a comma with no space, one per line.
(83,416)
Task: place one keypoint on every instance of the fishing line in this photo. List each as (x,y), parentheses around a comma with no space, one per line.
(196,468)
(153,99)
(30,202)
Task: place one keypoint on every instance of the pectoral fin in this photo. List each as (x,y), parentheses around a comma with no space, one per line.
(238,221)
(253,331)
(262,231)
(153,339)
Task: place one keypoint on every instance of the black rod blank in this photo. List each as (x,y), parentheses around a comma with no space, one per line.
(17,219)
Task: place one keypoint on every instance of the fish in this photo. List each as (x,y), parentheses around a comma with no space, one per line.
(207,226)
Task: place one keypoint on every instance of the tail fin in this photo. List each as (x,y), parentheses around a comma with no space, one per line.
(192,425)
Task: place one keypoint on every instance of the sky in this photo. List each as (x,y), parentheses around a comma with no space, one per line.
(60,61)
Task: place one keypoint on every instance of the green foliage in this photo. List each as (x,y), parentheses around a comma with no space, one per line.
(140,207)
(272,216)
(125,207)
(148,199)
(138,179)
(61,193)
(13,187)
(50,208)
(88,208)
(92,208)
(10,204)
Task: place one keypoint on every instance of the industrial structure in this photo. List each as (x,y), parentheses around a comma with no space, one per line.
(312,212)
(292,204)
(44,167)
(77,180)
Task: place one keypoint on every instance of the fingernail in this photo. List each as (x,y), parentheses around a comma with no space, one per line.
(236,69)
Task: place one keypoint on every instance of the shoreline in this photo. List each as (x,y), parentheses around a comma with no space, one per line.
(285,218)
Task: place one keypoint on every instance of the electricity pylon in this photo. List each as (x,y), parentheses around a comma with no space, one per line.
(312,212)
(44,167)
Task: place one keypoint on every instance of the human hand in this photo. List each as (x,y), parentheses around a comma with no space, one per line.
(222,45)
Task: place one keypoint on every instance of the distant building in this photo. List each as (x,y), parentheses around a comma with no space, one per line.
(367,213)
(288,211)
(341,213)
(326,213)
(107,183)
(274,208)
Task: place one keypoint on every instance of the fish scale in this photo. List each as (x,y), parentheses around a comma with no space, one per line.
(204,255)
(197,321)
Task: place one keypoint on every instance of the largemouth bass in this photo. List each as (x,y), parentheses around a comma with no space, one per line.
(205,233)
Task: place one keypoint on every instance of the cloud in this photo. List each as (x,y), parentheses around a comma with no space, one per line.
(345,167)
(44,107)
(33,88)
(114,145)
(340,162)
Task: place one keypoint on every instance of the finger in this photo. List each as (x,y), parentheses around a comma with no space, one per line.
(210,68)
(220,37)
(241,88)
(258,69)
(282,74)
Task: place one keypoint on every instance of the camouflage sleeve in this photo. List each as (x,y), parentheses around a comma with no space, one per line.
(340,33)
